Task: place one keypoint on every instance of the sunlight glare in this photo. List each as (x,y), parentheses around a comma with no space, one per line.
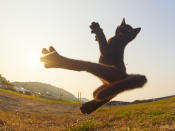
(34,61)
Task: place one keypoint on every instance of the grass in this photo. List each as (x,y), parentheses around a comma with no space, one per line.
(159,115)
(152,116)
(48,100)
(88,125)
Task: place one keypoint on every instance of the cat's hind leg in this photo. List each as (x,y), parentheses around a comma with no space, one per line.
(107,92)
(91,106)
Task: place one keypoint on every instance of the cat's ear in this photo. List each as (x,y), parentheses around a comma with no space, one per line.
(123,22)
(137,30)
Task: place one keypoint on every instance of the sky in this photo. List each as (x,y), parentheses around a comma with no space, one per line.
(27,26)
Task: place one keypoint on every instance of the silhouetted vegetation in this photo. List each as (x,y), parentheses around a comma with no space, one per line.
(3,80)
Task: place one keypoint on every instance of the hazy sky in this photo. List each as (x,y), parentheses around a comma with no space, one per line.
(26,26)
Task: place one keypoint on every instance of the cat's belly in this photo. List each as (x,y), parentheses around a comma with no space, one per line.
(117,62)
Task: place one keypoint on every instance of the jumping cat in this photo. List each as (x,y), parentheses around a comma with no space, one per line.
(110,69)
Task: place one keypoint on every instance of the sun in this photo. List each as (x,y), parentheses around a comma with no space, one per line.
(33,60)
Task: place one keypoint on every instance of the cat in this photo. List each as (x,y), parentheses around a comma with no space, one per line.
(110,69)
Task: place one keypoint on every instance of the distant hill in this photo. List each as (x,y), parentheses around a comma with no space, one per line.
(119,103)
(46,90)
(84,100)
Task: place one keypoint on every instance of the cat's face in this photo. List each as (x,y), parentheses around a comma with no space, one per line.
(126,32)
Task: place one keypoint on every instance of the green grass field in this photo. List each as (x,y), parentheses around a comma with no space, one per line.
(60,116)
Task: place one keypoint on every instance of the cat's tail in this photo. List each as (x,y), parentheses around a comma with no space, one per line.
(107,92)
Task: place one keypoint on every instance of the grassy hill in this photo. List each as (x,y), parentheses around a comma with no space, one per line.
(19,113)
(46,90)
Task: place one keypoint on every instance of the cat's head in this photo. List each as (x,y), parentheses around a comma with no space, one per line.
(126,32)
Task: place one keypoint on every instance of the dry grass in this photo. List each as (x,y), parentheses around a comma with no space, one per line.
(159,115)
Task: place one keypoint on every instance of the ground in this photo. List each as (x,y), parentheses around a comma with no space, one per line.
(25,113)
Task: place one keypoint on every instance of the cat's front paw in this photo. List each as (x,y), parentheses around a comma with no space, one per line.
(51,58)
(95,27)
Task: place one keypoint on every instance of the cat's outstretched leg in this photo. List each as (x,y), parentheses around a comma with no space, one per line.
(105,93)
(108,73)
